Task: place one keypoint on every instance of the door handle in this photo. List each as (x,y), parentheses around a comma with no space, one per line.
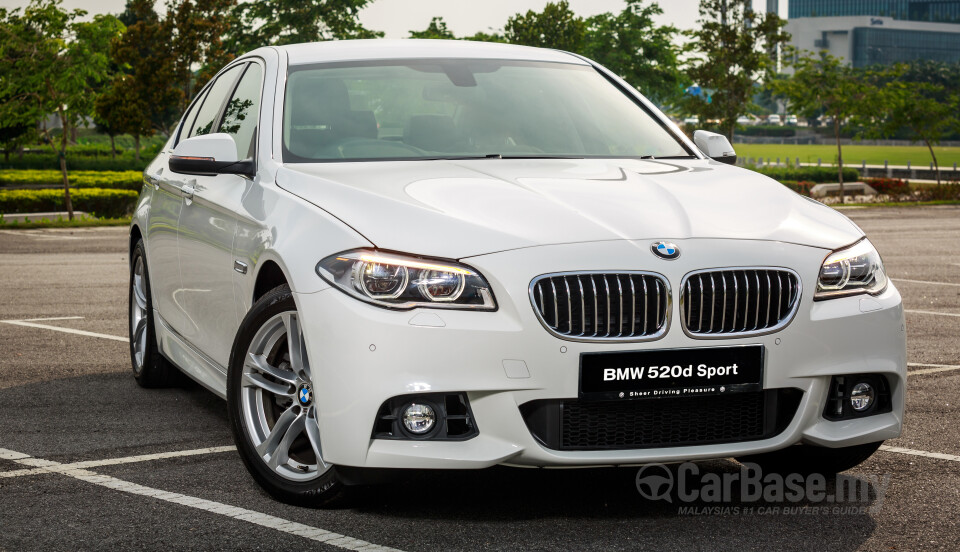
(187,191)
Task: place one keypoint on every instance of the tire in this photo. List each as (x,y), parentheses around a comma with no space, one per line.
(808,459)
(271,409)
(150,368)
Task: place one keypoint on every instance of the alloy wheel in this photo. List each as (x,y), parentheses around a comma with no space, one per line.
(277,400)
(138,315)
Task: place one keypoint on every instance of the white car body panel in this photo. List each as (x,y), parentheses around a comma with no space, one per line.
(511,204)
(512,220)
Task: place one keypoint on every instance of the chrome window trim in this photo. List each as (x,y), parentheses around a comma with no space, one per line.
(585,339)
(748,333)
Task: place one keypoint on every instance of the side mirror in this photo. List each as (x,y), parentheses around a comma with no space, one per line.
(715,146)
(209,154)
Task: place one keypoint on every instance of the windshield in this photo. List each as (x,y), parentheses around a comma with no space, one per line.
(454,109)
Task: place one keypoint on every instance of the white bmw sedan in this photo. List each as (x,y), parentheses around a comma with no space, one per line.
(420,254)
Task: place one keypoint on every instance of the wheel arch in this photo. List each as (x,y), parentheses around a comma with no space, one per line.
(269,276)
(135,236)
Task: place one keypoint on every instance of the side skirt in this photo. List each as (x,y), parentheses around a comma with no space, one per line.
(189,360)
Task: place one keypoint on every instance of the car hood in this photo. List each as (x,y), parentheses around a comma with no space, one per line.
(462,208)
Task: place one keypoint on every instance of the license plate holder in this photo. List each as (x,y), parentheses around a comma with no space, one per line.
(697,371)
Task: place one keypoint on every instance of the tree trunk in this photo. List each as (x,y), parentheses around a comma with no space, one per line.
(836,129)
(113,147)
(934,156)
(63,165)
(136,145)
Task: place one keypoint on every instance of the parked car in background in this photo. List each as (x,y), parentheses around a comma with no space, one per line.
(773,119)
(744,120)
(790,120)
(531,267)
(691,121)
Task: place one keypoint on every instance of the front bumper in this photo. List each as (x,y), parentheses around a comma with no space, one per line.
(362,355)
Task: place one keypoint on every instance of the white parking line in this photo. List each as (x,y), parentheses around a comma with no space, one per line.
(233,512)
(925,282)
(933,313)
(50,318)
(39,236)
(30,324)
(925,454)
(932,368)
(59,468)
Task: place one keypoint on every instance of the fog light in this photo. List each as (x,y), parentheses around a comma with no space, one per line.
(419,418)
(862,396)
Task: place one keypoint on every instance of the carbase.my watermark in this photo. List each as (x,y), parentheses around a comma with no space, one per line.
(750,491)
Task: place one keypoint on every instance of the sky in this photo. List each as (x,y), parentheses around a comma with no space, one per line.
(464,17)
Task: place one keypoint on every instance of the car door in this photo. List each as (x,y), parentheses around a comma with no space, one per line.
(208,220)
(163,258)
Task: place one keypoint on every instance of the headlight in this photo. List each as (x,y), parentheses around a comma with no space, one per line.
(855,269)
(402,282)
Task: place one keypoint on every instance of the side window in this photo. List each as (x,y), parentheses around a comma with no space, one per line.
(190,116)
(207,115)
(242,112)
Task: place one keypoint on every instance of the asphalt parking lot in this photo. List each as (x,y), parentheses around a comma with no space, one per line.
(88,460)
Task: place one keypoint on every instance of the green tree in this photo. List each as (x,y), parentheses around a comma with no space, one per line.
(437,29)
(555,27)
(946,75)
(267,22)
(824,84)
(120,110)
(14,134)
(483,36)
(139,100)
(49,59)
(928,110)
(196,31)
(728,54)
(641,52)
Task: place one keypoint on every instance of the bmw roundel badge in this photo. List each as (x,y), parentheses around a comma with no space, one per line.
(665,250)
(304,395)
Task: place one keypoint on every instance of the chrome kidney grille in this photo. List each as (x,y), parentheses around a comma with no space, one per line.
(738,301)
(587,306)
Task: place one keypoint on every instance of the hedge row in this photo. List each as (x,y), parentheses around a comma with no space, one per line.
(124,180)
(52,162)
(98,201)
(803,188)
(85,150)
(809,174)
(942,192)
(895,188)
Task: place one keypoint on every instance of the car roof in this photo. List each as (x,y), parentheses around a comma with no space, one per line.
(376,49)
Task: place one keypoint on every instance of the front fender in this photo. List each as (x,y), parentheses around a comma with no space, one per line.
(275,225)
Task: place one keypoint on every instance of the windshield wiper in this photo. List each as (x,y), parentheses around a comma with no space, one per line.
(541,156)
(459,157)
(498,156)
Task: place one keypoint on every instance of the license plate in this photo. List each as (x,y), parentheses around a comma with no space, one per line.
(671,372)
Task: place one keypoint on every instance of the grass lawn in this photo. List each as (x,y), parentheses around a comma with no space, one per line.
(853,155)
(63,223)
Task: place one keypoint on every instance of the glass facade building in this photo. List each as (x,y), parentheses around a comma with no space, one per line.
(937,11)
(872,46)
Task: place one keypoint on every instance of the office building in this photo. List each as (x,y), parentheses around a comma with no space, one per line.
(871,32)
